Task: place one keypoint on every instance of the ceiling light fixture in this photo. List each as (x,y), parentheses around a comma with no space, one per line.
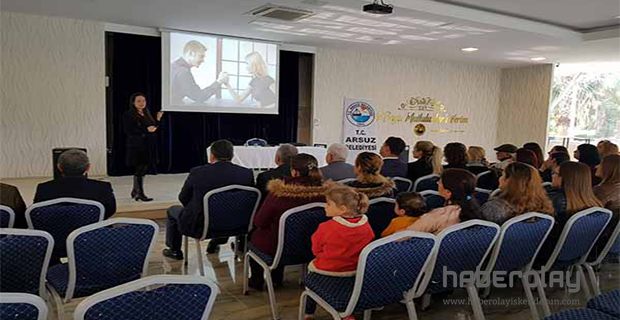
(538,58)
(469,49)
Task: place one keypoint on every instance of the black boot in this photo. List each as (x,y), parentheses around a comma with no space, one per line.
(141,196)
(134,191)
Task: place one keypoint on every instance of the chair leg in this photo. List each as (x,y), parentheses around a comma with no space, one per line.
(201,265)
(530,297)
(272,295)
(302,275)
(246,272)
(426,301)
(367,314)
(584,282)
(542,295)
(472,291)
(413,315)
(58,302)
(186,258)
(593,280)
(302,305)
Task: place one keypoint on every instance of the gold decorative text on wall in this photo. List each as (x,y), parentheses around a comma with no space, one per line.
(421,109)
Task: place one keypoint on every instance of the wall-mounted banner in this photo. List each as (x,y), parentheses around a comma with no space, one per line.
(359,126)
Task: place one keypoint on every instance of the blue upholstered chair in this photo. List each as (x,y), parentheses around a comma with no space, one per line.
(547,186)
(380,214)
(580,314)
(102,255)
(61,216)
(7,217)
(158,297)
(482,195)
(388,271)
(611,246)
(22,306)
(428,182)
(228,212)
(402,184)
(520,239)
(433,199)
(462,248)
(256,142)
(576,240)
(294,245)
(24,257)
(608,303)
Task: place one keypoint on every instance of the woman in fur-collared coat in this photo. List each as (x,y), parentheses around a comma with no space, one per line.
(368,179)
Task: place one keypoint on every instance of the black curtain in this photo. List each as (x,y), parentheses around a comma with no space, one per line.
(133,63)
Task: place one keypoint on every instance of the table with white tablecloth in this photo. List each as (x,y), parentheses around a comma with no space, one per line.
(264,157)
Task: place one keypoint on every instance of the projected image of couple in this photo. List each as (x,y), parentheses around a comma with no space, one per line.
(185,90)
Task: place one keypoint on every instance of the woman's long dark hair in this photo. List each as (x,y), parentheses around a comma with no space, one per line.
(588,154)
(456,154)
(308,167)
(462,185)
(132,100)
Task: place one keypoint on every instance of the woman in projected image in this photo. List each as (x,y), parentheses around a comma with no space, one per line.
(261,87)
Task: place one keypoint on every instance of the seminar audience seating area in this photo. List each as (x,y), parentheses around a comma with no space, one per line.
(390,233)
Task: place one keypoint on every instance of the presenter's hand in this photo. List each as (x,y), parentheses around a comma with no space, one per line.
(223,78)
(159,115)
(151,128)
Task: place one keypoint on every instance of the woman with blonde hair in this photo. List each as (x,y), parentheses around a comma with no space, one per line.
(429,160)
(261,87)
(606,148)
(368,177)
(521,192)
(608,192)
(476,161)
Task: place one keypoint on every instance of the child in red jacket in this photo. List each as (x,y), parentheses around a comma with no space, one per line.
(337,243)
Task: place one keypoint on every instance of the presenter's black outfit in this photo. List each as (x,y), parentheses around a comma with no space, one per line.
(139,152)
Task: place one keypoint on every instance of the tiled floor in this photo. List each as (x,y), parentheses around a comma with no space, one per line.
(231,304)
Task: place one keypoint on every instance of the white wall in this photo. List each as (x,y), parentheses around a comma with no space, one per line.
(52,92)
(469,90)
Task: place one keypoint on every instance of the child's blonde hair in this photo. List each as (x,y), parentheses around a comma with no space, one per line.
(356,202)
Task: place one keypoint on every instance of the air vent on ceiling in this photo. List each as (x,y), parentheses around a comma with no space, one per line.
(280,13)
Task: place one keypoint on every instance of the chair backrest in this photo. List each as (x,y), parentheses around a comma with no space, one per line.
(7,217)
(380,214)
(482,195)
(483,173)
(24,258)
(433,199)
(611,246)
(428,182)
(345,181)
(494,193)
(462,248)
(105,254)
(154,297)
(547,186)
(295,232)
(229,211)
(520,239)
(22,306)
(61,216)
(578,237)
(402,184)
(256,142)
(389,269)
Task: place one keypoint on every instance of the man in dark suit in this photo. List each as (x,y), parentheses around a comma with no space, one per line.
(283,159)
(336,168)
(74,165)
(189,218)
(390,151)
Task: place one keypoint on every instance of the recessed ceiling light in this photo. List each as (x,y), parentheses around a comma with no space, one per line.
(470,49)
(538,58)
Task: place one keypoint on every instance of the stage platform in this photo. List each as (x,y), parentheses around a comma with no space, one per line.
(163,188)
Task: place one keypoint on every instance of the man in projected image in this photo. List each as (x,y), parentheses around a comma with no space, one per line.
(182,82)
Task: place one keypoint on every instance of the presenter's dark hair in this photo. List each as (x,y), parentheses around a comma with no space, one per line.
(396,145)
(222,150)
(133,96)
(307,166)
(132,101)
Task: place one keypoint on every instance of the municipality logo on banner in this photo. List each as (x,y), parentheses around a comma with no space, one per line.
(359,130)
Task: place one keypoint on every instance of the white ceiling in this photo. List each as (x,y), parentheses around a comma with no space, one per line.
(419,28)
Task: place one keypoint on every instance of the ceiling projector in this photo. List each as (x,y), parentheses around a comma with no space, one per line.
(378,7)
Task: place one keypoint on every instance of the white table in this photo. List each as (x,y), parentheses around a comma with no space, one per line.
(264,157)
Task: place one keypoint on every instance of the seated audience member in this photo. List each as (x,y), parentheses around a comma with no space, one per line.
(368,179)
(188,219)
(457,186)
(574,193)
(456,156)
(527,156)
(588,155)
(555,160)
(606,148)
(10,197)
(392,165)
(304,186)
(409,207)
(608,192)
(74,165)
(476,162)
(506,155)
(558,148)
(521,192)
(428,161)
(337,168)
(284,154)
(338,243)
(535,147)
